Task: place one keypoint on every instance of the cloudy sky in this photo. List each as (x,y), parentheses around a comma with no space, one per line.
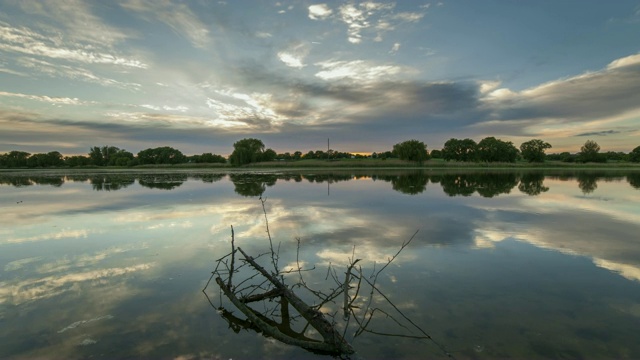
(200,75)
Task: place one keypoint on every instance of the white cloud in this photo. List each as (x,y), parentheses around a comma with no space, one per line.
(294,55)
(34,289)
(48,99)
(72,72)
(625,61)
(358,70)
(409,16)
(151,107)
(235,109)
(394,48)
(356,20)
(62,234)
(176,15)
(319,12)
(81,26)
(25,41)
(290,59)
(361,17)
(179,108)
(590,98)
(487,86)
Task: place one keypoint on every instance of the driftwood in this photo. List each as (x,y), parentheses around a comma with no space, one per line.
(261,287)
(333,341)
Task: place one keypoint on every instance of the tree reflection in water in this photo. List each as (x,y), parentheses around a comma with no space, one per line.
(454,183)
(532,183)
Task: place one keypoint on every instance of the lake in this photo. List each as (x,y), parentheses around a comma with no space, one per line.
(495,264)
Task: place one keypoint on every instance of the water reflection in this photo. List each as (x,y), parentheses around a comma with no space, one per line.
(505,264)
(110,183)
(532,183)
(484,183)
(252,185)
(634,180)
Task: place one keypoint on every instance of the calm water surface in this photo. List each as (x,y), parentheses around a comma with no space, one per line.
(525,265)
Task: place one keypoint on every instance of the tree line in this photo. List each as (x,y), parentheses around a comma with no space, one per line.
(106,156)
(491,149)
(251,150)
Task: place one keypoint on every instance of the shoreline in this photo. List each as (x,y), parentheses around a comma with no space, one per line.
(320,165)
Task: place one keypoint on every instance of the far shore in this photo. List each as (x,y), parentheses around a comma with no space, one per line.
(324,165)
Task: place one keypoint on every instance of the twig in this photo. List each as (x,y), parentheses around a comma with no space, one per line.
(274,255)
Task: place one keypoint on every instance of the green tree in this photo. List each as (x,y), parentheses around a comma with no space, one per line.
(95,156)
(460,150)
(101,156)
(268,155)
(246,151)
(120,158)
(37,160)
(161,155)
(52,158)
(14,159)
(77,160)
(589,152)
(412,150)
(634,155)
(491,149)
(533,150)
(436,154)
(207,158)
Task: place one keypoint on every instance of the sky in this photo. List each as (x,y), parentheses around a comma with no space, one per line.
(201,75)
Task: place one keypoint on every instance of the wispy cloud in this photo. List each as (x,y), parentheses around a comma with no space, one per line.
(179,108)
(26,41)
(599,133)
(395,48)
(48,99)
(78,20)
(12,72)
(177,16)
(366,16)
(294,55)
(62,234)
(46,287)
(358,70)
(72,72)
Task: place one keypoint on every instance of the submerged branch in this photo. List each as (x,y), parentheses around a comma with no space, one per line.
(248,282)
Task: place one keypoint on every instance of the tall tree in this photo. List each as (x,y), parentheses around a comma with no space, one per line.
(269,155)
(533,150)
(161,155)
(14,159)
(246,151)
(491,149)
(95,156)
(412,150)
(589,152)
(460,150)
(634,155)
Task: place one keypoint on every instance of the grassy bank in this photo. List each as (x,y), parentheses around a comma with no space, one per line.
(345,164)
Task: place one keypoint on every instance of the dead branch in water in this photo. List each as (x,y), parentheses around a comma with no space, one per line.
(243,281)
